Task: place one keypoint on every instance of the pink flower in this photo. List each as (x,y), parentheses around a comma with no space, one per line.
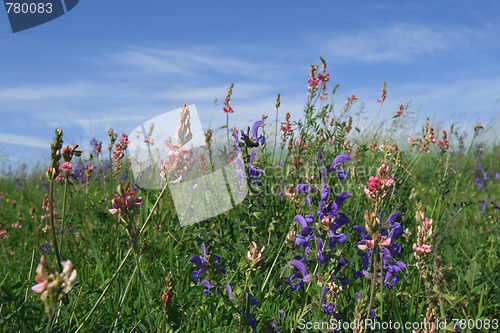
(66,167)
(373,183)
(427,223)
(40,287)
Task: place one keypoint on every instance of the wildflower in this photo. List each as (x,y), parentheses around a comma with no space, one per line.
(342,173)
(319,252)
(53,285)
(227,103)
(301,268)
(275,324)
(390,269)
(378,188)
(364,271)
(344,280)
(199,261)
(255,256)
(229,290)
(351,100)
(206,284)
(251,142)
(66,167)
(251,323)
(253,171)
(126,202)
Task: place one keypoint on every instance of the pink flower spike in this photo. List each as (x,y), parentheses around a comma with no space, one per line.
(113,211)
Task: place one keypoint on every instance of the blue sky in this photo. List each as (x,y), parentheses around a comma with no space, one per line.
(119,63)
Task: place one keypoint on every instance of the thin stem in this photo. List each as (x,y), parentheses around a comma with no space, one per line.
(63,210)
(51,208)
(143,294)
(374,279)
(123,298)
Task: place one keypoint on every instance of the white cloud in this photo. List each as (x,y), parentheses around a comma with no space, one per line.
(23,140)
(399,43)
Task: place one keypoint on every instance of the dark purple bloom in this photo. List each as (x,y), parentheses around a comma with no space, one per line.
(341,173)
(302,188)
(306,234)
(217,263)
(332,233)
(252,142)
(390,269)
(275,325)
(319,252)
(299,265)
(254,301)
(328,308)
(253,171)
(199,261)
(251,323)
(344,280)
(306,230)
(364,272)
(206,284)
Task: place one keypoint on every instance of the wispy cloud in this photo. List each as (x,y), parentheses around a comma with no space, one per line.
(23,140)
(199,62)
(400,43)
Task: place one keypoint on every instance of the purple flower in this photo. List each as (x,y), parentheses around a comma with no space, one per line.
(253,171)
(274,323)
(299,265)
(483,205)
(332,233)
(229,290)
(364,272)
(254,301)
(302,188)
(251,323)
(390,269)
(344,280)
(199,261)
(206,284)
(217,261)
(252,142)
(319,252)
(341,173)
(328,308)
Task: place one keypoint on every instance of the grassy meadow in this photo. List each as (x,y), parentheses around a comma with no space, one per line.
(341,230)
